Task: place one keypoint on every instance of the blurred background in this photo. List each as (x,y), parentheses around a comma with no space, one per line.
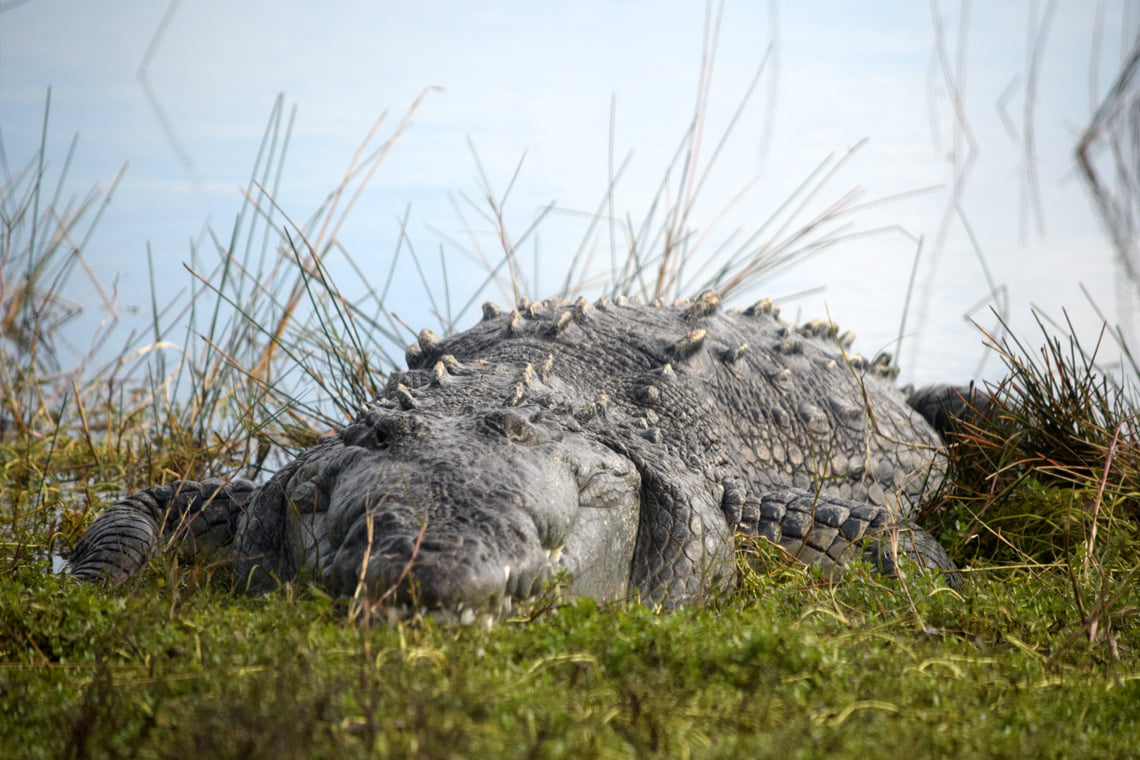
(928,152)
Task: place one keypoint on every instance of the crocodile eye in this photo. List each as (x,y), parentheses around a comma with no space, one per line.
(395,426)
(378,429)
(510,425)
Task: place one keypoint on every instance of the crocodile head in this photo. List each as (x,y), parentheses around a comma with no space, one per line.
(460,512)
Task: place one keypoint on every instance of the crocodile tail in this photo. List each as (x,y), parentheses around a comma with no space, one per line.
(948,407)
(201,516)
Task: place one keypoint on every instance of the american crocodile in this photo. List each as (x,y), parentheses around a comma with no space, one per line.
(623,443)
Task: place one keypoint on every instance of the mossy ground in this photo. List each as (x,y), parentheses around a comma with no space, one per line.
(176,665)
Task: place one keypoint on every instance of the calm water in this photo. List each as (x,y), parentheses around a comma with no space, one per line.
(183,93)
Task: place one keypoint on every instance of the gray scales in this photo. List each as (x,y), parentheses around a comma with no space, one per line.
(623,443)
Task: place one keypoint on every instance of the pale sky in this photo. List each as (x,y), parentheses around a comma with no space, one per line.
(538,78)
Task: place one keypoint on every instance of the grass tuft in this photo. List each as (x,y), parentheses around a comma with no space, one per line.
(1046,481)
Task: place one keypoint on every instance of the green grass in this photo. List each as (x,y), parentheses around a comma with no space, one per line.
(1036,656)
(786,666)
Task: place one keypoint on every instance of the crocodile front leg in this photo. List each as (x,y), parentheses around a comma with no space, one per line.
(201,516)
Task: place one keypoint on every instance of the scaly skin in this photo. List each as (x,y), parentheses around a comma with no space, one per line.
(622,443)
